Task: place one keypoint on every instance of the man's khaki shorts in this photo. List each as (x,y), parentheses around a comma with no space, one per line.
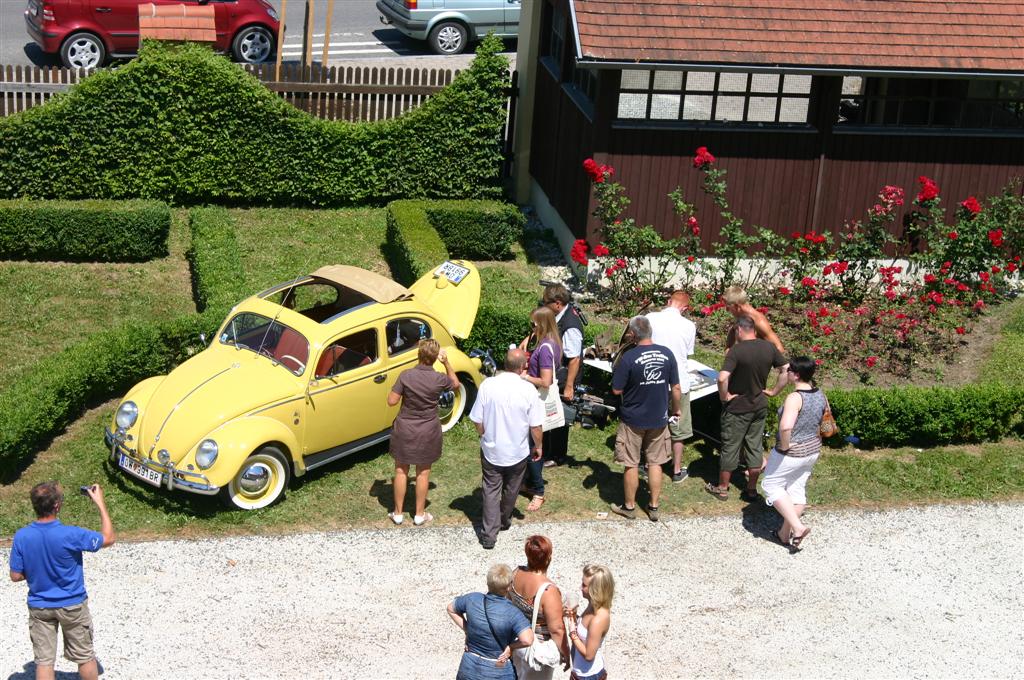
(76,624)
(631,442)
(683,428)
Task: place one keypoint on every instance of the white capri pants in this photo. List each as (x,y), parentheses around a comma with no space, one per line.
(786,475)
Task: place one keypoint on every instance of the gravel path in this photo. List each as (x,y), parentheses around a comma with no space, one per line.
(929,592)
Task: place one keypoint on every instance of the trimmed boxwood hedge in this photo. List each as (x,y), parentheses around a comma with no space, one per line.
(54,392)
(412,245)
(84,231)
(477,230)
(218,279)
(927,416)
(182,124)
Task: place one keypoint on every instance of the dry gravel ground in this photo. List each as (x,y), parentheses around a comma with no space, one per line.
(933,592)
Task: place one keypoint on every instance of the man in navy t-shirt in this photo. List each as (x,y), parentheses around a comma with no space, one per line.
(647,377)
(48,555)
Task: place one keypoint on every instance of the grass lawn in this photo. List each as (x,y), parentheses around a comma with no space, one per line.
(356,491)
(305,240)
(48,306)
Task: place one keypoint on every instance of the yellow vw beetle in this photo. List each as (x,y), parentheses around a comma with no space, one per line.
(297,377)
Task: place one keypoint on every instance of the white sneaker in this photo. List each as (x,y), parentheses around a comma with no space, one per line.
(397,519)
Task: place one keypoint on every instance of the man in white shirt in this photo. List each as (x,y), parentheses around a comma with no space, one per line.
(508,415)
(673,330)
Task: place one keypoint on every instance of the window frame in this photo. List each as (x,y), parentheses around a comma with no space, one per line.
(387,344)
(715,93)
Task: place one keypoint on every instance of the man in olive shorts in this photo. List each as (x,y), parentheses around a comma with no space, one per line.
(647,378)
(48,555)
(741,387)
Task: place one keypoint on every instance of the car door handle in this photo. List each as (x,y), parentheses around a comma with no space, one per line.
(379,378)
(103,10)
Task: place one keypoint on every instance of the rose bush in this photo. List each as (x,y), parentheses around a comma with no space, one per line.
(838,301)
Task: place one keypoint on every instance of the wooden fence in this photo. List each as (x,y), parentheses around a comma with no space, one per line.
(346,93)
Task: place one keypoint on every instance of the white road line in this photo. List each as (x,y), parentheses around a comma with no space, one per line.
(334,52)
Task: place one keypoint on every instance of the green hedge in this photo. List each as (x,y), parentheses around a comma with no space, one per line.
(477,230)
(84,231)
(54,392)
(928,416)
(218,279)
(412,245)
(184,125)
(1006,363)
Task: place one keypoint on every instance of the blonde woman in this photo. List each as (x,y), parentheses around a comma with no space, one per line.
(416,434)
(545,358)
(588,631)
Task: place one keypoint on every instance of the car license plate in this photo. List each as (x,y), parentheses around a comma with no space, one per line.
(453,272)
(137,469)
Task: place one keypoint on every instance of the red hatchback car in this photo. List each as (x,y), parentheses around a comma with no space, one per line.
(86,32)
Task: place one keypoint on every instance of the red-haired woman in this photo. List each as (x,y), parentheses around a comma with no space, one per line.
(527,583)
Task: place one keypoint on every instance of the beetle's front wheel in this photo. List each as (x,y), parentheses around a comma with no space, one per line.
(260,481)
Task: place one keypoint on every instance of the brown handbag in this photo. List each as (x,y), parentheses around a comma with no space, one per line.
(828,427)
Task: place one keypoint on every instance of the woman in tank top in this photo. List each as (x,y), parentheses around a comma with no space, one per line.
(523,592)
(587,633)
(796,451)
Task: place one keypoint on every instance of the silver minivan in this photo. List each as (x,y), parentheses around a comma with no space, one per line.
(450,25)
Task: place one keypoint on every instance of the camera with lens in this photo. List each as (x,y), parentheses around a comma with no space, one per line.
(591,410)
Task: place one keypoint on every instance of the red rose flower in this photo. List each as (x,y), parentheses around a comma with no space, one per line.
(971,205)
(996,238)
(871,361)
(703,157)
(808,282)
(600,250)
(609,272)
(929,190)
(996,269)
(578,253)
(620,263)
(784,290)
(816,348)
(984,276)
(960,330)
(694,225)
(930,278)
(952,235)
(690,258)
(1011,267)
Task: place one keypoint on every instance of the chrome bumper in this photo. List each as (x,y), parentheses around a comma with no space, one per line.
(170,477)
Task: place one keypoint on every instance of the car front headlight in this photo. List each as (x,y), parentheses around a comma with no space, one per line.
(206,455)
(127,414)
(272,13)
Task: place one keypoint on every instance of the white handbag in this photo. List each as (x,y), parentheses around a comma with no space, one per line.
(554,416)
(542,654)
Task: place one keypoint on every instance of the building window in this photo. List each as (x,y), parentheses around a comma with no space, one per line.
(585,82)
(554,51)
(719,97)
(932,103)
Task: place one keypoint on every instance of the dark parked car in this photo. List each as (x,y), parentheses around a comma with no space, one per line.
(449,26)
(85,33)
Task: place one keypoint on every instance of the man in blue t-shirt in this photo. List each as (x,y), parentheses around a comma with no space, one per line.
(48,555)
(647,377)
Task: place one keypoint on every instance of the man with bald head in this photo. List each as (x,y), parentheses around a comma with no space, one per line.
(508,416)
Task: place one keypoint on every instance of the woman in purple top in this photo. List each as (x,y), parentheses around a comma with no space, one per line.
(416,434)
(545,359)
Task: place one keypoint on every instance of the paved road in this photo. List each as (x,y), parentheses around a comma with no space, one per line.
(929,592)
(356,33)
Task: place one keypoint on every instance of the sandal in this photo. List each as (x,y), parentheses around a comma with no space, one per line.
(776,538)
(535,503)
(797,540)
(717,491)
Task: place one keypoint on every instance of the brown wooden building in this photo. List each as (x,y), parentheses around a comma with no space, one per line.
(811,106)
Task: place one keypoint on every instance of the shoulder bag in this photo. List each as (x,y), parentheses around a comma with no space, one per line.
(542,653)
(828,427)
(491,626)
(554,416)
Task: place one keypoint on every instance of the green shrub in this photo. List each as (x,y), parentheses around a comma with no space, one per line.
(84,231)
(42,402)
(187,126)
(412,245)
(928,416)
(477,230)
(218,280)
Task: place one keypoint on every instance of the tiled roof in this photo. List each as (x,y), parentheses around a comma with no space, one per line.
(195,23)
(856,34)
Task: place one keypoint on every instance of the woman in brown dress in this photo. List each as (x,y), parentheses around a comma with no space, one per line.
(416,434)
